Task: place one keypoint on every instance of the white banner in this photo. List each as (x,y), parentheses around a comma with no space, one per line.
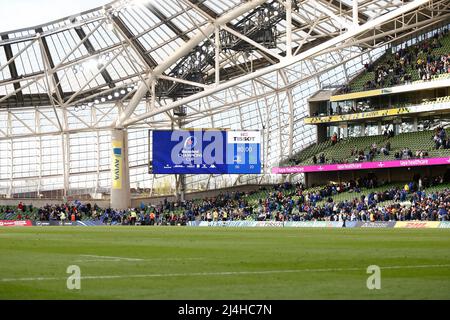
(243,137)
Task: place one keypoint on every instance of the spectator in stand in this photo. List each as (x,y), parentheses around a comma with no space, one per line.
(392,71)
(152,218)
(374,148)
(322,158)
(440,138)
(314,159)
(437,141)
(443,213)
(334,138)
(384,150)
(345,89)
(279,204)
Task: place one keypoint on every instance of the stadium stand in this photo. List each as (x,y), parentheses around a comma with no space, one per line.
(348,150)
(426,60)
(362,200)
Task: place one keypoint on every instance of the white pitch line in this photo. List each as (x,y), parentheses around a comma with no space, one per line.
(109,257)
(133,260)
(225,273)
(124,259)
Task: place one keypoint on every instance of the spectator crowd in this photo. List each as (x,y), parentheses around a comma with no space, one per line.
(285,202)
(418,57)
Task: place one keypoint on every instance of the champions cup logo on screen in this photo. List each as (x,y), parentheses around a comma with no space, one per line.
(190,142)
(197,148)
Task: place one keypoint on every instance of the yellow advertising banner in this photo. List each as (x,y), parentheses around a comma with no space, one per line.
(116,164)
(416,224)
(357,95)
(357,116)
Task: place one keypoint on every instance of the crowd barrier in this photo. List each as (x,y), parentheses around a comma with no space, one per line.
(256,224)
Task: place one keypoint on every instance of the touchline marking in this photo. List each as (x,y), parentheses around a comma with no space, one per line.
(95,258)
(109,257)
(226,273)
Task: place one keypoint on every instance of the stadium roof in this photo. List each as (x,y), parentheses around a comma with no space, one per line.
(131,38)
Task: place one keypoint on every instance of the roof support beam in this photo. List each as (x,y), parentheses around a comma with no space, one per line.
(199,4)
(166,21)
(90,48)
(288,28)
(51,64)
(339,4)
(203,33)
(12,69)
(355,12)
(135,44)
(287,61)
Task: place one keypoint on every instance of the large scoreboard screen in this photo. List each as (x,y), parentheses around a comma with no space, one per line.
(206,151)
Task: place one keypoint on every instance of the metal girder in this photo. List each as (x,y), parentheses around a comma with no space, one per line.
(90,48)
(51,63)
(199,3)
(13,70)
(166,21)
(138,47)
(43,100)
(180,52)
(282,64)
(339,4)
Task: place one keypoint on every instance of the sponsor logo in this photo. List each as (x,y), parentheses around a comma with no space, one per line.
(42,223)
(15,223)
(117,151)
(349,166)
(240,137)
(190,143)
(444,224)
(116,167)
(269,224)
(245,139)
(417,162)
(417,224)
(305,224)
(53,223)
(377,224)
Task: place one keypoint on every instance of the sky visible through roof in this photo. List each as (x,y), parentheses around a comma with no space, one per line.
(19,14)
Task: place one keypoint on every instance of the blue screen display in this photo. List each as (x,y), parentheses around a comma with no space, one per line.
(206,152)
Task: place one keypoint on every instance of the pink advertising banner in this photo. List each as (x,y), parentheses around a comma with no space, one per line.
(363,165)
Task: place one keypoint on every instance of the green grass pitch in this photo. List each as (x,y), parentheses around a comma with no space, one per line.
(223,263)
